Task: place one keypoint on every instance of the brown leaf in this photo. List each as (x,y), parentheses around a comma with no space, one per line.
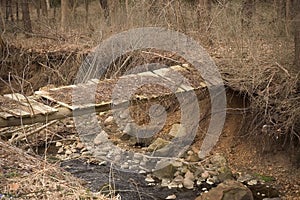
(14,186)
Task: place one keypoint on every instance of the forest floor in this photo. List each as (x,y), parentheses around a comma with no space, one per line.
(34,176)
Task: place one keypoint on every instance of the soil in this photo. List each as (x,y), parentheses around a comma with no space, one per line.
(260,156)
(244,155)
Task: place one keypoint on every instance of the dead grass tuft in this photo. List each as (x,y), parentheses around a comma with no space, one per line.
(23,176)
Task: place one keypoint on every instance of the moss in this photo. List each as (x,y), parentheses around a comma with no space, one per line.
(265,178)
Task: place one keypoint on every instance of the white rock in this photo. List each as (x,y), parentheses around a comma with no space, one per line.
(177,130)
(103,163)
(149,179)
(136,161)
(60,150)
(244,177)
(79,145)
(68,152)
(100,138)
(142,172)
(199,182)
(124,114)
(102,113)
(124,166)
(117,158)
(209,181)
(172,185)
(178,179)
(205,175)
(75,155)
(189,175)
(108,120)
(138,156)
(173,196)
(142,163)
(165,182)
(128,128)
(58,144)
(73,150)
(252,182)
(188,183)
(86,153)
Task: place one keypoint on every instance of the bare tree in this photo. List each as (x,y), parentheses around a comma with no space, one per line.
(44,7)
(248,9)
(65,12)
(8,10)
(2,20)
(297,40)
(26,17)
(203,11)
(17,10)
(105,7)
(2,43)
(86,5)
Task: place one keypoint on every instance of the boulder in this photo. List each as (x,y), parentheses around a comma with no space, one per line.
(159,143)
(109,120)
(177,130)
(228,190)
(164,169)
(101,138)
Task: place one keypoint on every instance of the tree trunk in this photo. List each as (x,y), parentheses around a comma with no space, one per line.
(8,10)
(38,8)
(297,41)
(104,6)
(48,4)
(2,20)
(248,9)
(65,12)
(26,16)
(127,9)
(86,3)
(203,12)
(44,8)
(280,9)
(17,10)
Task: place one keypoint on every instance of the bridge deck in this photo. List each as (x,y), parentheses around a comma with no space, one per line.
(58,103)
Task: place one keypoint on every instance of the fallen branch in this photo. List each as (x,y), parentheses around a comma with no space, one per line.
(20,137)
(283,69)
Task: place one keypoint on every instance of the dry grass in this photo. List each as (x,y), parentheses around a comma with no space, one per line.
(258,61)
(23,176)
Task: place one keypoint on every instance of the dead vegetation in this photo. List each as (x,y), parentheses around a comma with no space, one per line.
(257,62)
(23,176)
